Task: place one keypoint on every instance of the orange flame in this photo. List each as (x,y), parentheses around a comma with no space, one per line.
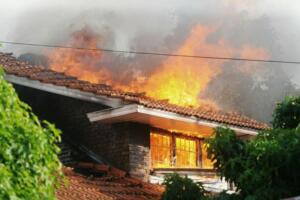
(180,80)
(82,64)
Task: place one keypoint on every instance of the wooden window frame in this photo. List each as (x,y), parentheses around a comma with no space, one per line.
(174,135)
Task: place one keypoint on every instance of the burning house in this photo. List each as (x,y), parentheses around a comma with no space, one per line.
(144,136)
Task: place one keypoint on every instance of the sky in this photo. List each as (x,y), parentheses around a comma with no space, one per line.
(161,26)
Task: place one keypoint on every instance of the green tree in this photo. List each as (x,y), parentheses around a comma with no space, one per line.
(287,113)
(265,168)
(227,151)
(29,165)
(182,188)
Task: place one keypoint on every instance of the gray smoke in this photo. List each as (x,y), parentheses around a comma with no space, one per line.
(162,27)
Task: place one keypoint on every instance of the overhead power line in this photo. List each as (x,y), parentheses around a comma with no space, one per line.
(152,53)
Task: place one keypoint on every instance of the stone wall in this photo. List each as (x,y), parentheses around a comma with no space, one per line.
(139,151)
(123,145)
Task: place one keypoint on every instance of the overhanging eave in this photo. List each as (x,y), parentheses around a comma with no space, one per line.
(160,119)
(64,91)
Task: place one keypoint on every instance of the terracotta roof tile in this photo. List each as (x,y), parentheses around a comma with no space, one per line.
(105,187)
(22,69)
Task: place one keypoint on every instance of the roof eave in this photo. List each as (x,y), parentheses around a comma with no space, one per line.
(62,90)
(161,119)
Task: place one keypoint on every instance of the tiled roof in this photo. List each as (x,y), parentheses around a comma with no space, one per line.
(22,69)
(100,182)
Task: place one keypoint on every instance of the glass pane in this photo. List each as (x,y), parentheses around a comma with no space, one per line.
(160,146)
(186,152)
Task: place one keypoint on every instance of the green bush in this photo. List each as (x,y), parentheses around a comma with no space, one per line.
(265,168)
(225,196)
(182,188)
(29,166)
(287,113)
(227,152)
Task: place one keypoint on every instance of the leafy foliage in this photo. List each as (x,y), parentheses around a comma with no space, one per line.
(224,196)
(183,188)
(179,188)
(226,151)
(287,113)
(29,166)
(265,168)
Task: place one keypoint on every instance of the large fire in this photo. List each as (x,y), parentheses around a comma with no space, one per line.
(178,79)
(80,63)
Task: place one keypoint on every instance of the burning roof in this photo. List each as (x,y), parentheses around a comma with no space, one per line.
(16,68)
(180,80)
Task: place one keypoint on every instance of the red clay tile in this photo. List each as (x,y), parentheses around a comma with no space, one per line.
(22,69)
(106,188)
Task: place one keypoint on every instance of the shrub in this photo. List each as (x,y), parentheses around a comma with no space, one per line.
(224,196)
(182,188)
(287,113)
(265,168)
(29,166)
(227,152)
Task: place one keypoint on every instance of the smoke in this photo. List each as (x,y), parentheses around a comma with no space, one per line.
(254,94)
(162,27)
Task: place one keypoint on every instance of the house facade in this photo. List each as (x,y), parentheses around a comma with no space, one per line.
(143,136)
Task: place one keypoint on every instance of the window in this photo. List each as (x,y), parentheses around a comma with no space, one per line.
(175,150)
(160,150)
(186,152)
